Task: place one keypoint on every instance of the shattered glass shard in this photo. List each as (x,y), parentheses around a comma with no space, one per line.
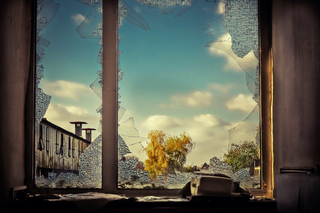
(41,105)
(133,17)
(42,41)
(186,7)
(121,111)
(39,74)
(91,26)
(90,3)
(167,10)
(99,59)
(122,148)
(120,75)
(98,30)
(96,87)
(127,128)
(247,130)
(166,3)
(241,21)
(46,11)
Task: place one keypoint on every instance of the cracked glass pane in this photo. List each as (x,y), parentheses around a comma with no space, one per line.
(68,94)
(189,87)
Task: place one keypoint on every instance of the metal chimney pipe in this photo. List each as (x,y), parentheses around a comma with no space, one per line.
(88,133)
(78,127)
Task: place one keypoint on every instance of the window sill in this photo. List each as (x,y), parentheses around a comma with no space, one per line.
(100,202)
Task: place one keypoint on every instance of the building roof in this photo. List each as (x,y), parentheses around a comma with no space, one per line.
(88,129)
(78,122)
(45,121)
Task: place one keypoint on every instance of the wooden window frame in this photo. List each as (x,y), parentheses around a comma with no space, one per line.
(110,120)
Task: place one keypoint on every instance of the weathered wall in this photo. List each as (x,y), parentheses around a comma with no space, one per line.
(15,38)
(296,52)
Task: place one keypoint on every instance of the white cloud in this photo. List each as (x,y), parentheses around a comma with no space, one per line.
(76,110)
(66,89)
(241,102)
(192,100)
(65,113)
(77,19)
(243,131)
(210,142)
(162,122)
(61,115)
(224,89)
(208,120)
(220,8)
(224,48)
(231,64)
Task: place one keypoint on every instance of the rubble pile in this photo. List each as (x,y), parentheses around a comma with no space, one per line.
(251,182)
(241,174)
(90,170)
(220,167)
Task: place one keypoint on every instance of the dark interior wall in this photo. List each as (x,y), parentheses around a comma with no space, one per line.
(296,61)
(15,38)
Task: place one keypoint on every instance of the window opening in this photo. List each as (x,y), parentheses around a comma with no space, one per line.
(73,148)
(47,139)
(232,26)
(195,67)
(79,148)
(68,90)
(41,146)
(69,147)
(61,145)
(57,142)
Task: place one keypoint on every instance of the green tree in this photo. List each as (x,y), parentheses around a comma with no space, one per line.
(242,155)
(166,153)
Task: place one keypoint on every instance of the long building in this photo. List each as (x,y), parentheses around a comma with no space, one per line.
(59,150)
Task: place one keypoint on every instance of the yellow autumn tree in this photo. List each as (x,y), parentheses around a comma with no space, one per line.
(157,163)
(166,153)
(177,149)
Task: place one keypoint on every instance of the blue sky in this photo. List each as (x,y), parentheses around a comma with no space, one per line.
(70,66)
(171,80)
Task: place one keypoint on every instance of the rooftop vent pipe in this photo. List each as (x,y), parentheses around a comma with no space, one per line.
(78,127)
(88,133)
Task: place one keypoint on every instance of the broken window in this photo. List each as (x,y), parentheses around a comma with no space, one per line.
(188,66)
(68,63)
(184,66)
